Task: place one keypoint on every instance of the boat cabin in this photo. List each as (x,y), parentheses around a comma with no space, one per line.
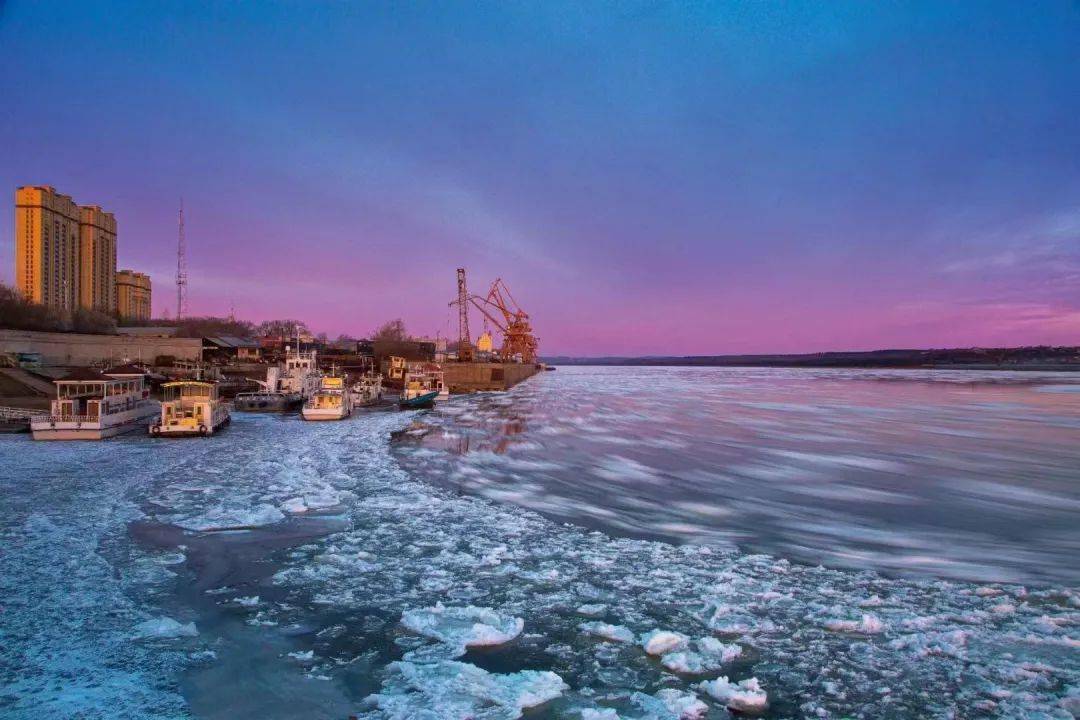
(87,395)
(190,407)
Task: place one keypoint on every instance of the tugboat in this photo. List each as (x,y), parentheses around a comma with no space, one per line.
(286,386)
(270,398)
(333,401)
(91,405)
(190,408)
(367,391)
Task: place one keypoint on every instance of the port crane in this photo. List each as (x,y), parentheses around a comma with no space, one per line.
(503,311)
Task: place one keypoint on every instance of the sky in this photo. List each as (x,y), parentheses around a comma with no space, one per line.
(647,177)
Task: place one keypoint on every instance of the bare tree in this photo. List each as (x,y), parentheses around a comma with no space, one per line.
(391,330)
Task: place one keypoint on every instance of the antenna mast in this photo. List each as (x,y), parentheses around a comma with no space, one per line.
(181,268)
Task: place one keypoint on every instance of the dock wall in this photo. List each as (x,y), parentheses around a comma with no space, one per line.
(76,349)
(473,377)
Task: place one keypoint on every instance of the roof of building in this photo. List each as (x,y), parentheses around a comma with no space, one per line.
(83,374)
(231,341)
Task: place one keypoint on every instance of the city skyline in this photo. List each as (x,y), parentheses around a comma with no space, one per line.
(649,179)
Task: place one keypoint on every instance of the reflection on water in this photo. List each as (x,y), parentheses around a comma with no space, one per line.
(955,474)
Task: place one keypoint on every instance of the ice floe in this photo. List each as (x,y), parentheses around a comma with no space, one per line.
(745,696)
(451,690)
(165,627)
(615,633)
(662,642)
(459,628)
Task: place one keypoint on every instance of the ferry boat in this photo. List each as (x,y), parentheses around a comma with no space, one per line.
(333,401)
(367,390)
(91,405)
(190,407)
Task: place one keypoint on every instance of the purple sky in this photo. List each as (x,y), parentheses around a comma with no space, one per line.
(649,178)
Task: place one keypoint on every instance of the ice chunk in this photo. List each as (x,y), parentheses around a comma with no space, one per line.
(593,610)
(451,690)
(616,633)
(599,714)
(745,696)
(463,627)
(232,518)
(867,625)
(661,642)
(671,703)
(165,627)
(709,655)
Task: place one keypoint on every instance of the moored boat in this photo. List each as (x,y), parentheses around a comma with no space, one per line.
(190,408)
(91,405)
(420,388)
(333,401)
(367,390)
(270,398)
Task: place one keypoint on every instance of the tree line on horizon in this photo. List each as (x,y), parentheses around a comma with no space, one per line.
(19,313)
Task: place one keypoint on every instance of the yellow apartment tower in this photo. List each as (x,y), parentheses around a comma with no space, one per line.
(47,247)
(97,259)
(132,295)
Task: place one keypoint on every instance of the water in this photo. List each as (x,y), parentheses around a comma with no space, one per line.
(965,475)
(285,569)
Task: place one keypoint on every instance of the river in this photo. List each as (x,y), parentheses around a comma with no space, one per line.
(596,543)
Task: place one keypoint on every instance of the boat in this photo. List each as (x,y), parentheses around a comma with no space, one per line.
(270,398)
(367,390)
(190,408)
(418,402)
(333,401)
(420,388)
(91,405)
(301,373)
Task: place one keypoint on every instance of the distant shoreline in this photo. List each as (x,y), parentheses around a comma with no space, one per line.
(1033,359)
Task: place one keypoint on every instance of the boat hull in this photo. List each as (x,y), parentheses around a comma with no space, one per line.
(420,402)
(324,414)
(186,431)
(68,431)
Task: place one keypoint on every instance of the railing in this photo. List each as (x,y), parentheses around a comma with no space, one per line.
(14,413)
(46,417)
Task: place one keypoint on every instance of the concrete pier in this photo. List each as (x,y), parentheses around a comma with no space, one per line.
(473,377)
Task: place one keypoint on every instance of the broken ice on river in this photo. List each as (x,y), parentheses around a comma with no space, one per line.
(390,597)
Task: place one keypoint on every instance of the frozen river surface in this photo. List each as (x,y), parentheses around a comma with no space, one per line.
(596,544)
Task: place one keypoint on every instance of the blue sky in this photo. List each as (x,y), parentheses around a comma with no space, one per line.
(647,177)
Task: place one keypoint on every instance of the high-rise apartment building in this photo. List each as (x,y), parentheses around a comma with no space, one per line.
(65,256)
(133,295)
(97,259)
(47,247)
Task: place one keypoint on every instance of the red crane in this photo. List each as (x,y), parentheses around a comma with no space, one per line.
(500,307)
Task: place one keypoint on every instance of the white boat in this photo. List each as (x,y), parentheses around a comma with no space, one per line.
(190,408)
(301,374)
(367,390)
(91,405)
(333,401)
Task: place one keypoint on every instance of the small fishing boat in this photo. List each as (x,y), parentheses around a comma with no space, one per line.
(190,408)
(367,390)
(333,401)
(419,389)
(91,405)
